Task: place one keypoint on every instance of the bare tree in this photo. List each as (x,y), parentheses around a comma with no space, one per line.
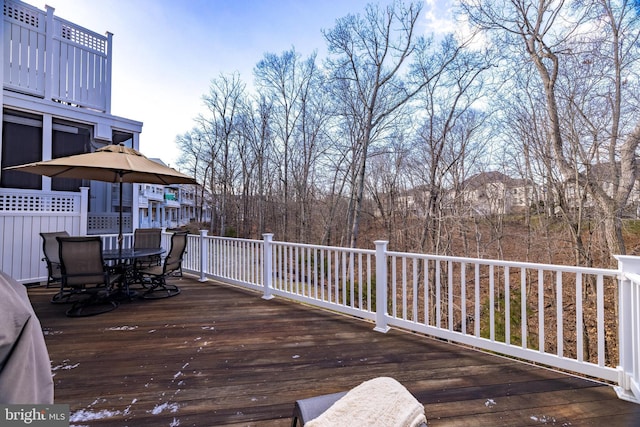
(386,186)
(225,101)
(556,37)
(445,143)
(285,79)
(309,144)
(367,57)
(257,131)
(192,158)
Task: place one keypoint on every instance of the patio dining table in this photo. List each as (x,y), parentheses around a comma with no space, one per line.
(125,261)
(129,254)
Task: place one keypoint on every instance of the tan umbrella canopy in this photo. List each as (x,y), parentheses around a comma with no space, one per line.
(112,163)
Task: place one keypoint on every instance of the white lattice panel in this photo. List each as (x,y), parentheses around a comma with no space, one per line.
(13,203)
(83,38)
(22,13)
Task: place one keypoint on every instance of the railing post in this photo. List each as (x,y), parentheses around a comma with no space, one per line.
(84,210)
(381,286)
(267,267)
(51,76)
(629,328)
(107,82)
(204,255)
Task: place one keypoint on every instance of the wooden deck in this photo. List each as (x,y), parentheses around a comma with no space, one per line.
(216,355)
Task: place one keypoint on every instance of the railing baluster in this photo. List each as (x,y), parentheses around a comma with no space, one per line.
(463,297)
(476,315)
(282,276)
(404,288)
(322,275)
(296,269)
(600,319)
(360,295)
(370,288)
(427,293)
(559,317)
(438,296)
(329,277)
(507,306)
(394,311)
(415,280)
(492,305)
(523,307)
(352,279)
(307,278)
(317,269)
(450,294)
(541,346)
(336,276)
(344,277)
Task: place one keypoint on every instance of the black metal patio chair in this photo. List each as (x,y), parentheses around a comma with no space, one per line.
(51,251)
(85,276)
(51,256)
(147,238)
(154,278)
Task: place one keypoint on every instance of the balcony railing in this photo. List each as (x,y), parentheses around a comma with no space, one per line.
(48,57)
(582,320)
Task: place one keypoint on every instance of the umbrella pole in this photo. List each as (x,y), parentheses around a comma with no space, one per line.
(120,236)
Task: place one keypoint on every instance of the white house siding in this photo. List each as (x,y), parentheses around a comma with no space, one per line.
(28,44)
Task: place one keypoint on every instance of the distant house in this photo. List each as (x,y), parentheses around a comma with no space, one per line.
(168,206)
(494,193)
(415,200)
(486,193)
(577,195)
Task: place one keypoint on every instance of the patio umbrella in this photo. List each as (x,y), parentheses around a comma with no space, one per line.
(112,163)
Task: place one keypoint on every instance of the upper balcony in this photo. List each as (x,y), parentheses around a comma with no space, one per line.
(53,59)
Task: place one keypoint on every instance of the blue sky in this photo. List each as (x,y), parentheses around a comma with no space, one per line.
(166,52)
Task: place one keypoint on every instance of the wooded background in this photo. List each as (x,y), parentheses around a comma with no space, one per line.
(326,150)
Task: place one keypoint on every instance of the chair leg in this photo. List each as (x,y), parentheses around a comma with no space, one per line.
(92,305)
(159,288)
(296,416)
(64,296)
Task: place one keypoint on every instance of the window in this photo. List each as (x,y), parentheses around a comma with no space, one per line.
(123,138)
(68,139)
(21,143)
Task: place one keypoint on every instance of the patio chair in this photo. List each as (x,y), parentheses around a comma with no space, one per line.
(85,276)
(308,409)
(51,251)
(51,256)
(154,279)
(146,238)
(380,401)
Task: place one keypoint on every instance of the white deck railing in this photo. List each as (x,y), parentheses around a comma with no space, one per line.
(54,59)
(569,318)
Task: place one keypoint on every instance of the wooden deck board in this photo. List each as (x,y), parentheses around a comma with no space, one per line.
(219,356)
